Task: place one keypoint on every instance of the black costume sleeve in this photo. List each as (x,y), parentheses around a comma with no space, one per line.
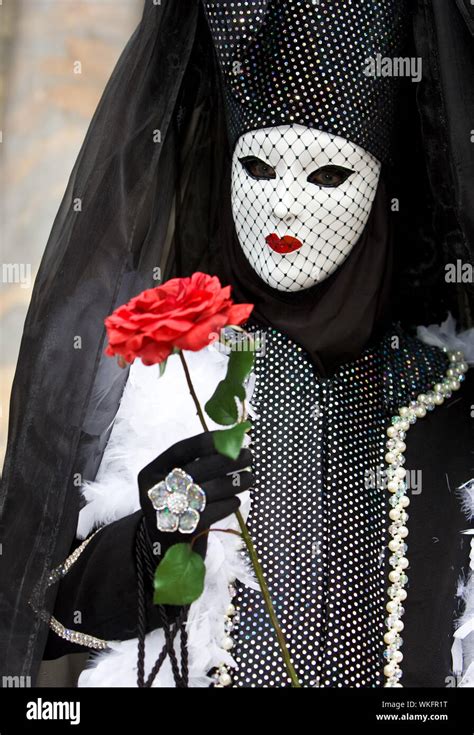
(102,586)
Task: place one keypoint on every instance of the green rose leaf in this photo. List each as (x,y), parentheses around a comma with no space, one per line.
(229,441)
(221,407)
(179,577)
(239,366)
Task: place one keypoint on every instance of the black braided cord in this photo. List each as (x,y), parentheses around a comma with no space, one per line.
(144,564)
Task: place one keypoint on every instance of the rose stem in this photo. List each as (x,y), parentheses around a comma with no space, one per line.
(251,550)
(268,600)
(192,391)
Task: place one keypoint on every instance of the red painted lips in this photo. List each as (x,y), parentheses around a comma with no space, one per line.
(284,245)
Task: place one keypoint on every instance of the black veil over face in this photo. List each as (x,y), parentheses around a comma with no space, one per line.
(149,180)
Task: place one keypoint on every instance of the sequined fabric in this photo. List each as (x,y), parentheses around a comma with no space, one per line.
(319,510)
(306,62)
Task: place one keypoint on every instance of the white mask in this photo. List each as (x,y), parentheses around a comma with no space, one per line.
(314,187)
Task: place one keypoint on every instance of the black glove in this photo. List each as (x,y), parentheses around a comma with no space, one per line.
(210,470)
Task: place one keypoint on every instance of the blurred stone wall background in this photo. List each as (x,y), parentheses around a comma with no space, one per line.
(45,108)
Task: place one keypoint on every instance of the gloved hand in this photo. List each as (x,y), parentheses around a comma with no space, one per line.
(211,471)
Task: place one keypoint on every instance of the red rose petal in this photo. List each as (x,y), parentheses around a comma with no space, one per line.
(183,313)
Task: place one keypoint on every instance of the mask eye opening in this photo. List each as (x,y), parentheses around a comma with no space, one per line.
(257,169)
(330,176)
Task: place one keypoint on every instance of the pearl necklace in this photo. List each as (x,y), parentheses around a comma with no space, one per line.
(399,502)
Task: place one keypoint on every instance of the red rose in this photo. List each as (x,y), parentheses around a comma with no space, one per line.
(184,313)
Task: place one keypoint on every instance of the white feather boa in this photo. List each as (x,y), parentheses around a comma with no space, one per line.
(445,336)
(463,643)
(154,414)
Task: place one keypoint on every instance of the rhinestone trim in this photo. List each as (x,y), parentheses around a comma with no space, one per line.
(55,575)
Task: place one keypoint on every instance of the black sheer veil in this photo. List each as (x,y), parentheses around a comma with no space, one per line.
(154,133)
